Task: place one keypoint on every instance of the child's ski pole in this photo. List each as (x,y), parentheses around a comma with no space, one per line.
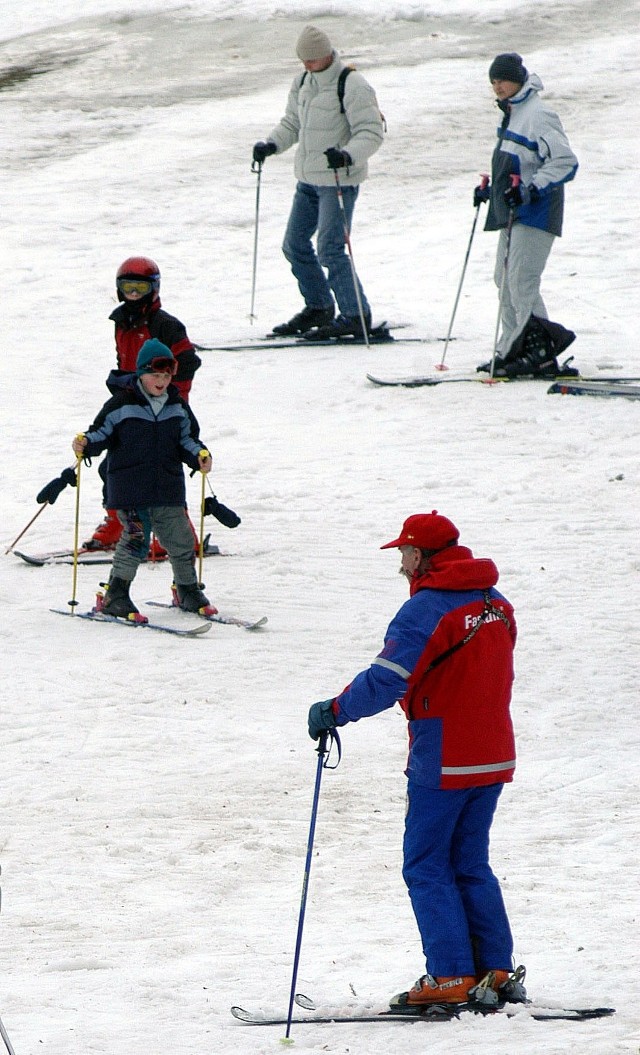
(76,534)
(47,497)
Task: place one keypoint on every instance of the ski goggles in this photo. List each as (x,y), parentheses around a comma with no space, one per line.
(160,365)
(141,286)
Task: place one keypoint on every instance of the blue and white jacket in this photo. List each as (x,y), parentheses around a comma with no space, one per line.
(531,144)
(146,450)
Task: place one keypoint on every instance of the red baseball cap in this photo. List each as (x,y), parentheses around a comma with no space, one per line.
(426,531)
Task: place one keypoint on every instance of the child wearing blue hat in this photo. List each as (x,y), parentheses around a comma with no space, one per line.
(149,432)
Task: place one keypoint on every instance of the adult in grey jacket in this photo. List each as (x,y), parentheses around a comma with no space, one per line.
(337,126)
(531,163)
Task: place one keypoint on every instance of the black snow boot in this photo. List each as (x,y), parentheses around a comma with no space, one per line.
(117,600)
(303,321)
(191,599)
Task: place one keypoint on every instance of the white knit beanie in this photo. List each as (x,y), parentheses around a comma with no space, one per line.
(313,44)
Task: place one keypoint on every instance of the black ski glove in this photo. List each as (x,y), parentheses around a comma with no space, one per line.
(226,516)
(481,194)
(321,718)
(263,150)
(521,195)
(50,491)
(337,159)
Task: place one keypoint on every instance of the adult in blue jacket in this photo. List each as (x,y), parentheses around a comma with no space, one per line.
(531,164)
(448,659)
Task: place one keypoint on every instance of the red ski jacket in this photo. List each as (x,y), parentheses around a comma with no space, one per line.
(448,659)
(132,330)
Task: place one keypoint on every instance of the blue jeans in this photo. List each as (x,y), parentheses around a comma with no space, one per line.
(318,209)
(455,896)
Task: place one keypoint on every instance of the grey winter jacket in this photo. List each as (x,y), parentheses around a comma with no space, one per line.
(531,144)
(313,120)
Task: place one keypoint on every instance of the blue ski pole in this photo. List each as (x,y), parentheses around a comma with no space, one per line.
(323,759)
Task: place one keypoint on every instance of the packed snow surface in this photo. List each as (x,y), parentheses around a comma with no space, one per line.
(156,792)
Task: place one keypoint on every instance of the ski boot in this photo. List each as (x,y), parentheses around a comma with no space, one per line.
(343,326)
(191,599)
(117,601)
(500,987)
(303,321)
(106,534)
(429,990)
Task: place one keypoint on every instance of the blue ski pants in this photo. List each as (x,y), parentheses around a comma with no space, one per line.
(455,896)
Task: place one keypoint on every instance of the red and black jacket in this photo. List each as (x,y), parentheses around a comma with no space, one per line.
(133,328)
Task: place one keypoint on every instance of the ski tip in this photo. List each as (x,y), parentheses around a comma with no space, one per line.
(305,1001)
(241,1014)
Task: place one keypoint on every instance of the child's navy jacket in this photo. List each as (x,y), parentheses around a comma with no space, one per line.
(145,452)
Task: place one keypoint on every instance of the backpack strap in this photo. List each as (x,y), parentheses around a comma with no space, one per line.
(489,609)
(341,82)
(341,86)
(341,79)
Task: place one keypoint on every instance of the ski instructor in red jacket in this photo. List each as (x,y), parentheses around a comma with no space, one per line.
(448,659)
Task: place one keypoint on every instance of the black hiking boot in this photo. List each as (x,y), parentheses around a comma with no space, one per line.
(343,326)
(303,321)
(117,600)
(191,599)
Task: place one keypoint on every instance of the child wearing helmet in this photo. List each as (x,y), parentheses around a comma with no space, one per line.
(138,318)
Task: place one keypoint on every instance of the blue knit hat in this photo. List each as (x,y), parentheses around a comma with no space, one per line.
(153,354)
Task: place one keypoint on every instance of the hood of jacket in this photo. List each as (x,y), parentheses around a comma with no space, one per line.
(456,568)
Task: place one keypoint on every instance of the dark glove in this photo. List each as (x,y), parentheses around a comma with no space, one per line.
(337,159)
(50,492)
(226,516)
(321,718)
(521,195)
(481,194)
(263,150)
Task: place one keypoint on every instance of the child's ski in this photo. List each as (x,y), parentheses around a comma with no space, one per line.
(217,617)
(103,617)
(95,556)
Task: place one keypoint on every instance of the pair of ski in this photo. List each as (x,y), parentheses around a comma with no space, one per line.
(431,1013)
(87,556)
(380,334)
(202,627)
(599,385)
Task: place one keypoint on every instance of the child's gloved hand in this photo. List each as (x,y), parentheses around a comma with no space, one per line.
(205,461)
